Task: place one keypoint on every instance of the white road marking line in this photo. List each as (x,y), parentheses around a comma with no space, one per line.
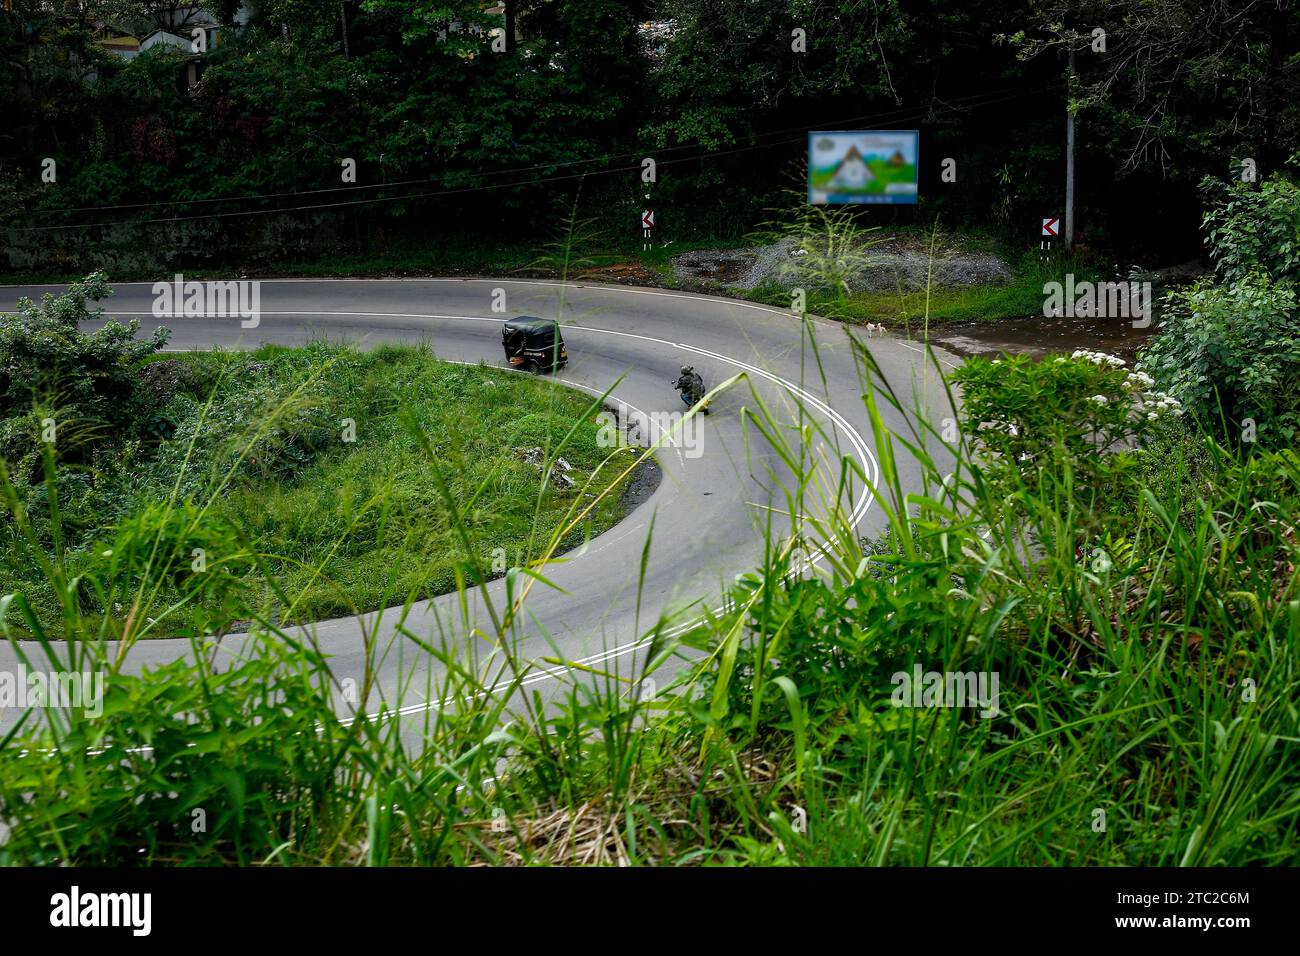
(548,283)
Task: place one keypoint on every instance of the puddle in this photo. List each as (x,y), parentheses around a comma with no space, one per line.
(1035,335)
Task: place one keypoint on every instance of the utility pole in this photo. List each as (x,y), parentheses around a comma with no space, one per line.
(1069,148)
(343,19)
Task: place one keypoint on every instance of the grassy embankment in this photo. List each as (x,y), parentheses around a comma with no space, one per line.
(305,467)
(915,310)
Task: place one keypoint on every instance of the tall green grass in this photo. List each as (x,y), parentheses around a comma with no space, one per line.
(304,459)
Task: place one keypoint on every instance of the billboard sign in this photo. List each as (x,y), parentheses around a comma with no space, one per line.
(863,166)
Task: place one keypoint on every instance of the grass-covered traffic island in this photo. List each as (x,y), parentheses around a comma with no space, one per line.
(191,492)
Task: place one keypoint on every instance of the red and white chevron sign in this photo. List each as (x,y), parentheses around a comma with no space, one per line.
(648,219)
(1051,227)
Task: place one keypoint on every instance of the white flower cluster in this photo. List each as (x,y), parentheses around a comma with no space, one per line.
(1155,403)
(1098,358)
(1158,403)
(1152,403)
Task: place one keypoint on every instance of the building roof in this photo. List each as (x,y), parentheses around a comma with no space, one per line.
(167,38)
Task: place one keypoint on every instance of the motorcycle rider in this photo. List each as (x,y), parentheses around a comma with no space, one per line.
(691,384)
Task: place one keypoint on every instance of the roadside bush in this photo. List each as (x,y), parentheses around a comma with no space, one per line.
(1253,227)
(1123,677)
(1230,350)
(1231,354)
(1033,421)
(87,383)
(313,462)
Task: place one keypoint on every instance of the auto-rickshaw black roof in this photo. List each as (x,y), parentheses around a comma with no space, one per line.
(531,323)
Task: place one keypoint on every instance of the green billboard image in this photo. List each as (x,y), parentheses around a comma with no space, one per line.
(863,166)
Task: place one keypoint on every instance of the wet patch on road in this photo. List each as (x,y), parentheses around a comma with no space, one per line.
(643,483)
(1036,335)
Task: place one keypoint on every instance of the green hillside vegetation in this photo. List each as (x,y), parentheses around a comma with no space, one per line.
(325,470)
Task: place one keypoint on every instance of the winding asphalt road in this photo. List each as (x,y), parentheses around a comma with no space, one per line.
(707,513)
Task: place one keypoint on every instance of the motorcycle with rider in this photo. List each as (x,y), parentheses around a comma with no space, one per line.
(691,385)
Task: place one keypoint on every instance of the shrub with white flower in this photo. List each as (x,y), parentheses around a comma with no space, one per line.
(1075,415)
(1148,402)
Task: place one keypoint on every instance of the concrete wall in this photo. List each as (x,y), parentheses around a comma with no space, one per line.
(162,247)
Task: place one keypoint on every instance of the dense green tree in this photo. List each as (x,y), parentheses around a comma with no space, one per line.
(1183,86)
(450,124)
